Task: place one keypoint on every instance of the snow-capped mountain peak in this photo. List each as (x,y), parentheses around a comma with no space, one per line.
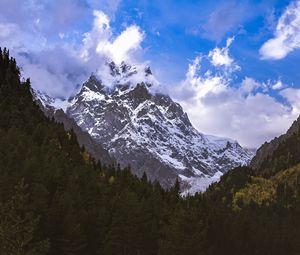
(149,131)
(111,75)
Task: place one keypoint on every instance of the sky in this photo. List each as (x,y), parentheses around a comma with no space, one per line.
(232,65)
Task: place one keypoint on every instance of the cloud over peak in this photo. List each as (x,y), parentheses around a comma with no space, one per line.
(100,40)
(57,64)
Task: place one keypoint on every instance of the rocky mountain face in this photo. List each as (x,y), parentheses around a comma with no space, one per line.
(84,139)
(147,130)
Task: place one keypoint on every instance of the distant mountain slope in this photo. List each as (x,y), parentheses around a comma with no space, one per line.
(257,210)
(142,127)
(278,154)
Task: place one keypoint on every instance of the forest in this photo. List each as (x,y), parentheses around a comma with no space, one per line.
(56,199)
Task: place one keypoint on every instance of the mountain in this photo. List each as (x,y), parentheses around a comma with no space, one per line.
(123,109)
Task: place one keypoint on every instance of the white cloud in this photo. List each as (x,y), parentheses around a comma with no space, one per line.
(127,42)
(293,97)
(220,57)
(245,112)
(55,70)
(278,85)
(99,35)
(249,85)
(12,36)
(287,34)
(100,40)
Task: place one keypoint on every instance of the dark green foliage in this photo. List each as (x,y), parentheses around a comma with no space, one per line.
(18,225)
(65,203)
(186,233)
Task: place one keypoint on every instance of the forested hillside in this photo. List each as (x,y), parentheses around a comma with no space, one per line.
(55,199)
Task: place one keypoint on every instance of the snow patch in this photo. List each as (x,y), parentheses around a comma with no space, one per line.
(198,184)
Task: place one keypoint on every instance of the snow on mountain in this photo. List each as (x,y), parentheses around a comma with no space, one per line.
(46,100)
(112,75)
(199,184)
(144,128)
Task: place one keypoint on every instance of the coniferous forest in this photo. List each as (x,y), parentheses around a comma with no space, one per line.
(55,199)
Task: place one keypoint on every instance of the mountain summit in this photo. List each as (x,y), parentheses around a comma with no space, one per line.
(147,130)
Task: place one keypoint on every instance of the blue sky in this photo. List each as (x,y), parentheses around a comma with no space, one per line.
(232,65)
(176,31)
